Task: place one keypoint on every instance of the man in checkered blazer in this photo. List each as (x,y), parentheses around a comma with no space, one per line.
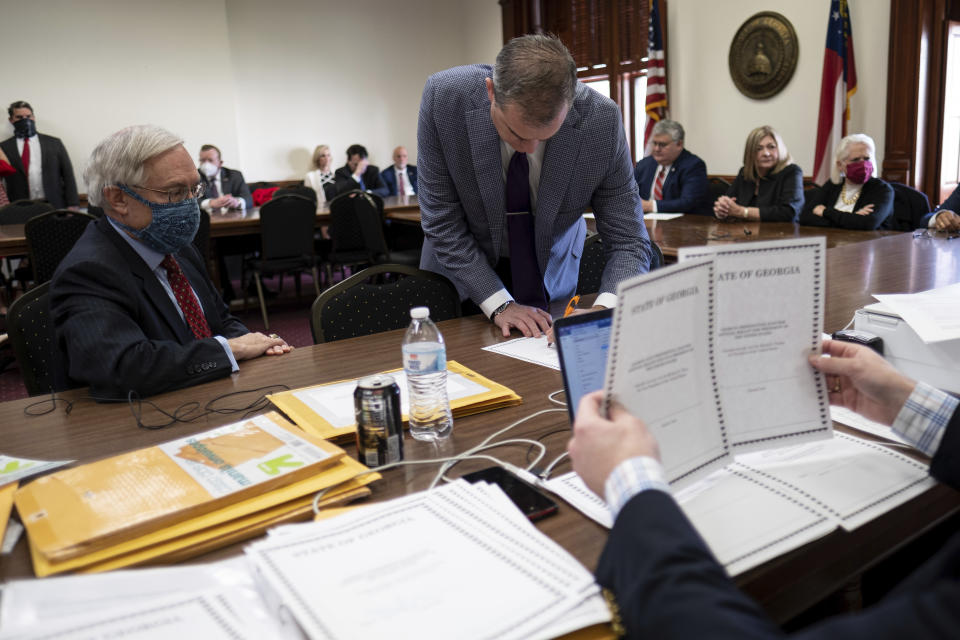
(472,121)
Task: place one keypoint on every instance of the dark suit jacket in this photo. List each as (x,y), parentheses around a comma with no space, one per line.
(233,183)
(952,203)
(668,585)
(875,191)
(389,176)
(59,183)
(780,198)
(117,330)
(371,180)
(685,188)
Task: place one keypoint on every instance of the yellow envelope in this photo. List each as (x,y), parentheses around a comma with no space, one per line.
(6,504)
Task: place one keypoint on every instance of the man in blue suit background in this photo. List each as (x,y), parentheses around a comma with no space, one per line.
(683,184)
(407,174)
(509,158)
(946,217)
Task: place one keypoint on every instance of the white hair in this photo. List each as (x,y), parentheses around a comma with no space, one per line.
(671,128)
(119,159)
(841,152)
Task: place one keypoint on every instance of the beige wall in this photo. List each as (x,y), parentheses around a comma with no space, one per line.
(717,117)
(264,81)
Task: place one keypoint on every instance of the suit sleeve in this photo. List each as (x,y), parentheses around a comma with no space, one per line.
(788,196)
(952,203)
(94,318)
(814,198)
(243,191)
(694,191)
(66,178)
(619,214)
(379,187)
(442,215)
(387,176)
(875,192)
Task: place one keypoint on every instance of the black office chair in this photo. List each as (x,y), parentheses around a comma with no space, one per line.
(31,334)
(718,187)
(593,261)
(50,236)
(356,234)
(360,306)
(19,211)
(297,190)
(286,244)
(909,207)
(201,241)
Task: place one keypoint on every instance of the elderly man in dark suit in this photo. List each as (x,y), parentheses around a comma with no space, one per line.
(225,188)
(43,168)
(132,306)
(400,177)
(664,578)
(509,158)
(671,179)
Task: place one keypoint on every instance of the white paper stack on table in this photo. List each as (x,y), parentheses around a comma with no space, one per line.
(457,562)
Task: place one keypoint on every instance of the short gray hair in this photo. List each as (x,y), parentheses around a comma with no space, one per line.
(671,128)
(844,146)
(119,159)
(536,73)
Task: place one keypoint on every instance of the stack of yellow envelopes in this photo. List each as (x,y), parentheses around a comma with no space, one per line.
(326,410)
(182,498)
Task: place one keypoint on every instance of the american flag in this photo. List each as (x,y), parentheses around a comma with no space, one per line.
(656,105)
(838,84)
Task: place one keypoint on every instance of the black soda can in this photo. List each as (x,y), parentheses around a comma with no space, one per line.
(376,404)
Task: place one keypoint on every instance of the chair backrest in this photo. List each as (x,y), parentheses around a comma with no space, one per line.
(718,187)
(297,190)
(50,236)
(19,211)
(356,224)
(593,261)
(286,227)
(31,334)
(359,307)
(909,206)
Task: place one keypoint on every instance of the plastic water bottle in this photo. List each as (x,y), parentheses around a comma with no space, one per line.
(425,363)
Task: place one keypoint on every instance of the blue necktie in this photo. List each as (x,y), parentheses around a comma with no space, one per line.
(524,269)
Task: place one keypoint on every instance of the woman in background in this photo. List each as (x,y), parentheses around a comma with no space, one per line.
(321,178)
(769,187)
(854,197)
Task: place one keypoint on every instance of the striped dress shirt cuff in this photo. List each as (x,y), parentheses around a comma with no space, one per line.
(629,478)
(924,417)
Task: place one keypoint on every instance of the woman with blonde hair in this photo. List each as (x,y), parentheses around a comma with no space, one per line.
(769,186)
(854,197)
(321,179)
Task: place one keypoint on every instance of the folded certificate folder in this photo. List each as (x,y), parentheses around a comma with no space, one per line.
(326,410)
(111,501)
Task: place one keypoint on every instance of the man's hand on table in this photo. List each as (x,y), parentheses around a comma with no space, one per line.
(530,321)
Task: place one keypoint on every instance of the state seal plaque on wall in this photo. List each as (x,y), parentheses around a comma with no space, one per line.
(763,55)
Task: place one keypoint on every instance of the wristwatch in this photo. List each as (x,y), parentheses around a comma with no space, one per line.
(499,310)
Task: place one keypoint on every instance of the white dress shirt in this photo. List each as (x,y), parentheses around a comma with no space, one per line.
(35,171)
(407,187)
(665,170)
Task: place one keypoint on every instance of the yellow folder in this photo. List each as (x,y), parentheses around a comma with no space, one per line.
(222,527)
(6,504)
(101,504)
(493,396)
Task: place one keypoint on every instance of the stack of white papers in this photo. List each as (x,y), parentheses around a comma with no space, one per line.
(933,314)
(532,350)
(460,561)
(770,502)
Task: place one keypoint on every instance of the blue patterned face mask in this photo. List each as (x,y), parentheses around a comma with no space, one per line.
(173,226)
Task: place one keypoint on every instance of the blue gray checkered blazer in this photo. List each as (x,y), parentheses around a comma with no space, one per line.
(461,189)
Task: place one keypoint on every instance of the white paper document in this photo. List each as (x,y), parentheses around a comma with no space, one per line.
(334,402)
(13,469)
(855,420)
(533,350)
(432,565)
(933,314)
(653,215)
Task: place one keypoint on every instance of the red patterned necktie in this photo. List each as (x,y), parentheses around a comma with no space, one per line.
(658,185)
(25,159)
(192,312)
(401,188)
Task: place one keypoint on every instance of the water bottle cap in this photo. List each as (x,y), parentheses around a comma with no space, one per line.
(419,313)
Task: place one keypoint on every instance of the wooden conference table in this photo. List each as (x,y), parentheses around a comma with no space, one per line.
(784,586)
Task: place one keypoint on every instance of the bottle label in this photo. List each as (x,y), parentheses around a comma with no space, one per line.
(424,360)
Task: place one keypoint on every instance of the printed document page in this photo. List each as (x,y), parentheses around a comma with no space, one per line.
(933,314)
(534,350)
(769,318)
(660,365)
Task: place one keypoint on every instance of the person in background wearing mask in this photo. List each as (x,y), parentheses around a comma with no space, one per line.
(855,198)
(400,177)
(225,188)
(43,168)
(132,307)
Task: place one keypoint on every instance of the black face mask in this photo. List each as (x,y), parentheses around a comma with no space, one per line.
(25,128)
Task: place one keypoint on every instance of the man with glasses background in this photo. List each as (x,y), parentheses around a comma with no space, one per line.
(132,306)
(671,179)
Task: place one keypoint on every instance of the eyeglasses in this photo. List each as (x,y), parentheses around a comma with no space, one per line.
(661,145)
(178,194)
